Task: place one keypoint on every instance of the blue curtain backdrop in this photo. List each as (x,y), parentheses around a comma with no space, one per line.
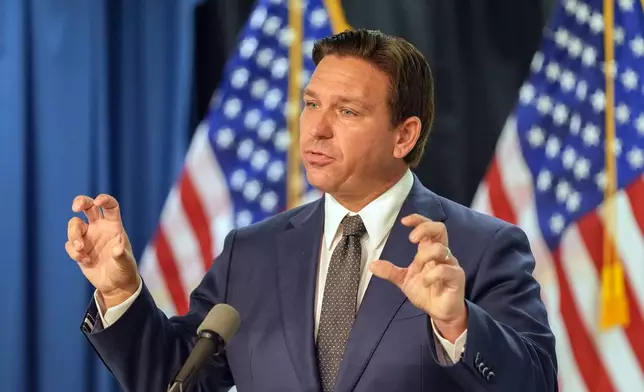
(94,97)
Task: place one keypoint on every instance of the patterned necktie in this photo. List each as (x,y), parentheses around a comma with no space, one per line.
(339,300)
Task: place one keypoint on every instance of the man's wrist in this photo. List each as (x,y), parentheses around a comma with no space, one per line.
(452,329)
(117,296)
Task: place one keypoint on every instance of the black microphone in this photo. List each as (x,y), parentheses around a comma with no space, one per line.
(216,330)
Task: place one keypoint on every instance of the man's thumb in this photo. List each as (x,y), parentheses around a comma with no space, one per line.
(385,270)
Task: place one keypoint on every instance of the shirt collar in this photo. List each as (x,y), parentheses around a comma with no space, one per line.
(378,216)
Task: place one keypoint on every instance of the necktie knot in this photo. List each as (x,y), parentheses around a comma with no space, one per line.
(353,225)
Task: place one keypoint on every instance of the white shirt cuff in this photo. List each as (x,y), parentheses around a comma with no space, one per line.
(454,350)
(114,313)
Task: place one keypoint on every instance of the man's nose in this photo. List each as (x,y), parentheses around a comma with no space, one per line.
(322,128)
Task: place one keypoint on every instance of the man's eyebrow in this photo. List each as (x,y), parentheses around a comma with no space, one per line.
(309,92)
(340,98)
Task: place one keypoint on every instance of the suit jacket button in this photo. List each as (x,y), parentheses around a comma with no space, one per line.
(490,376)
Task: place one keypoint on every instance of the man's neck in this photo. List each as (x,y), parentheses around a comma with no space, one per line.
(357,202)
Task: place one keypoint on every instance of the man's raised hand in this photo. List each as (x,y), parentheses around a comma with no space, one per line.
(102,249)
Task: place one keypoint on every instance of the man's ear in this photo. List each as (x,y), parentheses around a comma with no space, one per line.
(407,135)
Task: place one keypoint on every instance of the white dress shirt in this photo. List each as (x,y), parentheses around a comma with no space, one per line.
(379,217)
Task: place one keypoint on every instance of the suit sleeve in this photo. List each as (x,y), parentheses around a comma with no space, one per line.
(144,349)
(510,346)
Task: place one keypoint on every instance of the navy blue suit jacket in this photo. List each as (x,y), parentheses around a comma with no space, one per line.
(267,271)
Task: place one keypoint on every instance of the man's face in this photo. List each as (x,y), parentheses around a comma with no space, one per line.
(346,140)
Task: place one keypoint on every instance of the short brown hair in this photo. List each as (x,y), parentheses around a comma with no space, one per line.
(412,88)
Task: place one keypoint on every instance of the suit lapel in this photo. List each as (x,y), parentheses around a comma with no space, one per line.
(298,254)
(383,299)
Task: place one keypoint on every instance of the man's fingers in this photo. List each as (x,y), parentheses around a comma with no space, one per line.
(413,220)
(111,209)
(79,257)
(86,205)
(436,252)
(76,229)
(441,272)
(429,231)
(119,253)
(385,270)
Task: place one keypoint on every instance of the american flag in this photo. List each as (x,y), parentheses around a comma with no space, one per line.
(242,164)
(579,112)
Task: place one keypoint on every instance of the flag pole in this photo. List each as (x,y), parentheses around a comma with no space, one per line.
(614,304)
(294,179)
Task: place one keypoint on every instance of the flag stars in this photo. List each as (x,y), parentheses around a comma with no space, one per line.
(318,18)
(244,218)
(575,47)
(568,157)
(639,124)
(598,100)
(561,37)
(307,47)
(581,168)
(596,23)
(618,35)
(251,190)
(560,114)
(279,69)
(557,223)
(232,107)
(582,13)
(259,160)
(544,104)
(282,140)
(582,90)
(536,137)
(527,93)
(258,17)
(626,5)
(553,145)
(269,201)
(264,57)
(573,202)
(537,62)
(286,36)
(635,158)
(575,124)
(629,79)
(239,78)
(553,71)
(252,118)
(247,47)
(567,81)
(622,113)
(244,149)
(591,135)
(275,171)
(272,26)
(600,180)
(562,190)
(617,147)
(570,6)
(237,179)
(258,88)
(637,46)
(266,129)
(544,180)
(225,138)
(589,56)
(273,98)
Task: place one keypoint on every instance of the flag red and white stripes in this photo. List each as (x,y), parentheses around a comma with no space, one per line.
(589,359)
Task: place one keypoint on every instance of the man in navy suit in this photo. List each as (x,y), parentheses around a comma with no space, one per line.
(380,285)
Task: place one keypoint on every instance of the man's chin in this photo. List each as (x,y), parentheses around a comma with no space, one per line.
(321,180)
